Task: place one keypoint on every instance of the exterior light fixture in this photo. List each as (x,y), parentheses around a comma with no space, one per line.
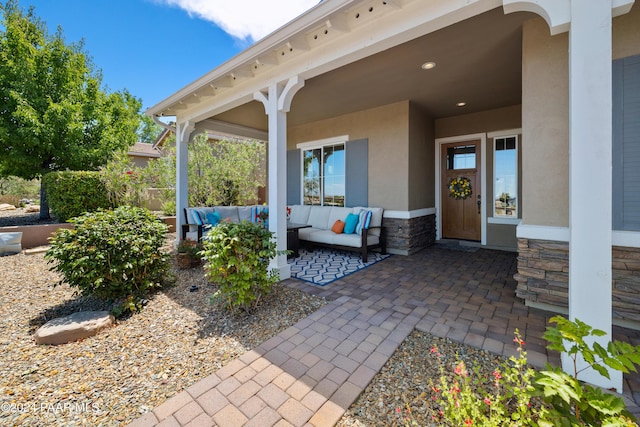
(461,104)
(428,65)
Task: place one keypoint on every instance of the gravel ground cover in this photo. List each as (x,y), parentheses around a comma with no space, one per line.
(126,370)
(401,395)
(178,339)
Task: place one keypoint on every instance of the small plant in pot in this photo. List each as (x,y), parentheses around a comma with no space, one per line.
(188,253)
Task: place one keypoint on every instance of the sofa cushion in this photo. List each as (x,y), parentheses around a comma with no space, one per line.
(299,214)
(350,223)
(244,213)
(322,236)
(228,212)
(319,217)
(337,213)
(305,233)
(353,240)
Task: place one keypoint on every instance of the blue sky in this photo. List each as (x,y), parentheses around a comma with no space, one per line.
(153,48)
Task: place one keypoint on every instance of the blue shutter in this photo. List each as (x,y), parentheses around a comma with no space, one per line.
(626,144)
(294,177)
(357,173)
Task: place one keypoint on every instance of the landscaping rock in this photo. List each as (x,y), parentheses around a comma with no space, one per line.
(32,208)
(74,327)
(7,207)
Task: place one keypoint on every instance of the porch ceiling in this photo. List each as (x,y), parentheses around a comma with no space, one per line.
(478,61)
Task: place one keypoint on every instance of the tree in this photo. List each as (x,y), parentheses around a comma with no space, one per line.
(148,131)
(53,113)
(220,172)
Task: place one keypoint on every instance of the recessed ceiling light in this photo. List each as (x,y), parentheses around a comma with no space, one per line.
(461,104)
(428,65)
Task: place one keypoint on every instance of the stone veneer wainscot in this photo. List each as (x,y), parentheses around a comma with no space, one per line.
(408,236)
(543,277)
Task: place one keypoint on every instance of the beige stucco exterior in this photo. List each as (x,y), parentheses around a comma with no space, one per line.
(545,121)
(421,158)
(483,121)
(387,129)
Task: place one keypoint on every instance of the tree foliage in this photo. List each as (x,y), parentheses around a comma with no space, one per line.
(53,113)
(148,131)
(220,172)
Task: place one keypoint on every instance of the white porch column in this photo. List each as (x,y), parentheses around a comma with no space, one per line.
(590,143)
(183,133)
(590,122)
(277,103)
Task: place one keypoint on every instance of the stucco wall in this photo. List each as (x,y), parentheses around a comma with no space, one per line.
(545,121)
(626,36)
(387,129)
(421,159)
(545,106)
(484,121)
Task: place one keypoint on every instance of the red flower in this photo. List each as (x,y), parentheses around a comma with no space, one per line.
(468,423)
(497,375)
(487,401)
(518,341)
(460,370)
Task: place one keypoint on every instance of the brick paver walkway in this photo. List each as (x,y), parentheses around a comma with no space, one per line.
(311,373)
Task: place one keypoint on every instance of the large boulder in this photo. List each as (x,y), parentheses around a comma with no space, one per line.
(74,327)
(7,207)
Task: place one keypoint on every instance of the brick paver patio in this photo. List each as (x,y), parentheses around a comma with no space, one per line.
(311,373)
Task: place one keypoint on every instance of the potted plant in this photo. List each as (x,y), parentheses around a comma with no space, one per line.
(188,253)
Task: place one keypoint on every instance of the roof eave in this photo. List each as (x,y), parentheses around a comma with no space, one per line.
(263,47)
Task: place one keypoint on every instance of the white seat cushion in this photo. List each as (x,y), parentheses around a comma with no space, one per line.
(299,214)
(319,217)
(230,212)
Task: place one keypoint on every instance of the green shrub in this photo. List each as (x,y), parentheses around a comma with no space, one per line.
(559,398)
(125,182)
(72,193)
(568,400)
(115,255)
(237,259)
(19,188)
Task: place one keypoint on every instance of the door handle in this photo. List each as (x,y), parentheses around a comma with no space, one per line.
(479,202)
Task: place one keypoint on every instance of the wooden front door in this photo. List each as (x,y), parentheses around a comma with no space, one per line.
(461,217)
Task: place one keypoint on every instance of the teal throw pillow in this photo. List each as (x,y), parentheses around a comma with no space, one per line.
(213,218)
(350,223)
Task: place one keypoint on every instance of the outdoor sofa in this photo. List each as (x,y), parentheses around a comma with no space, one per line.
(332,227)
(198,219)
(356,229)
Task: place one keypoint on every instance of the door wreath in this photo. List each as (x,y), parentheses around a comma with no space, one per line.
(460,188)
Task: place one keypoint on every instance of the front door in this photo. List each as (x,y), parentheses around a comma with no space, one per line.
(461,198)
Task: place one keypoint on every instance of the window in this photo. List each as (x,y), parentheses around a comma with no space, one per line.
(461,157)
(323,175)
(505,172)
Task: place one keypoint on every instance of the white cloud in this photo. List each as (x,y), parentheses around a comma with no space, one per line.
(245,19)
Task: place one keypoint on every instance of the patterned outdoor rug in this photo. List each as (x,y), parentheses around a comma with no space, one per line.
(323,266)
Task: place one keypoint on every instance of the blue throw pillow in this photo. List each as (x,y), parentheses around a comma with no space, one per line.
(364,220)
(213,218)
(350,223)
